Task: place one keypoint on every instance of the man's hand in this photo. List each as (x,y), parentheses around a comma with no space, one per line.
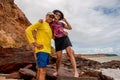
(39,46)
(65,33)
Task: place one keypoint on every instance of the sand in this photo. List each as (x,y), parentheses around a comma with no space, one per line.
(105,59)
(114,73)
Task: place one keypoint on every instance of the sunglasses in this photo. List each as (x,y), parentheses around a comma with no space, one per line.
(58,14)
(52,16)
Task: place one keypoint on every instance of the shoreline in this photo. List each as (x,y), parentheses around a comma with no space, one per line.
(105,59)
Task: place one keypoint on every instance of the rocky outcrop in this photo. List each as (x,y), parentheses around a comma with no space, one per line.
(15,62)
(12,59)
(12,25)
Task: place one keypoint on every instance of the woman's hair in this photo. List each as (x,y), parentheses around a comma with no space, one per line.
(62,15)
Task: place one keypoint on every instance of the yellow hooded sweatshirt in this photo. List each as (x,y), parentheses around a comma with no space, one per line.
(43,36)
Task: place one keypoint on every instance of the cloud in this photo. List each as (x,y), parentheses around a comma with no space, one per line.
(96,23)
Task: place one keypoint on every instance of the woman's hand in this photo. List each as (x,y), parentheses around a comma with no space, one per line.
(41,20)
(64,20)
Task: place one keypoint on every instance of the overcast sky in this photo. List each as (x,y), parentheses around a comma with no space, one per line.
(96,23)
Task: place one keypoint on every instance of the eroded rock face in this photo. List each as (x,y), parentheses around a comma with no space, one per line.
(12,25)
(12,59)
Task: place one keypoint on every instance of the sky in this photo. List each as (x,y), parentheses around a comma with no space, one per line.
(95,23)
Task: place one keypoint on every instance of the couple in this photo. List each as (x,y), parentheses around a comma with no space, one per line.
(42,43)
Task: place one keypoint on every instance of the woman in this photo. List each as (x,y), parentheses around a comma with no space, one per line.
(62,41)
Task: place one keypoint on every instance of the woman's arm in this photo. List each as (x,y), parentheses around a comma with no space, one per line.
(67,26)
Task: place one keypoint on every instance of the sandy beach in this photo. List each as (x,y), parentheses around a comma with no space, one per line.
(105,59)
(114,73)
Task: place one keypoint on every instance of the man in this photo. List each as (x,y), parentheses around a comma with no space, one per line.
(42,43)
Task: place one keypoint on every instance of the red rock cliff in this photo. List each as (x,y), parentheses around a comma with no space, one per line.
(12,25)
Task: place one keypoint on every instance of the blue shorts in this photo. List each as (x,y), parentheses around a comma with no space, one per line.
(42,59)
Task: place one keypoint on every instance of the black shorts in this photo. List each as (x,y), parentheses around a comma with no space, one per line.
(62,43)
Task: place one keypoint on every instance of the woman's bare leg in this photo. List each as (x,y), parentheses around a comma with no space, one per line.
(70,53)
(58,62)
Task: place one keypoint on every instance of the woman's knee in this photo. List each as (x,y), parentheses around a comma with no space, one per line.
(59,55)
(70,52)
(59,59)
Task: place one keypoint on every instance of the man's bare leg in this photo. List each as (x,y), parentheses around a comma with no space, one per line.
(38,74)
(41,74)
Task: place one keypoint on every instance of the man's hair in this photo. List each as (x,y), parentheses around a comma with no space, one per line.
(50,14)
